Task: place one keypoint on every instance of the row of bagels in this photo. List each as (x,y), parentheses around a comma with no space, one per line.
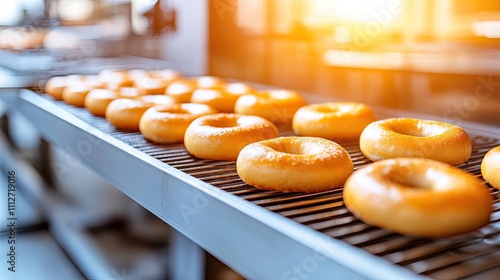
(219,120)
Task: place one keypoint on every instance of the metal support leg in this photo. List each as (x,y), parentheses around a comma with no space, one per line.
(187,258)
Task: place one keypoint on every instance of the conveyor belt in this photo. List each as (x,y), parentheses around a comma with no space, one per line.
(474,255)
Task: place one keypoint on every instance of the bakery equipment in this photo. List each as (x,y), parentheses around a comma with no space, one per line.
(261,234)
(268,235)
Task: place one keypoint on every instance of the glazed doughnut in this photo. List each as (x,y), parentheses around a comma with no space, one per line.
(222,136)
(75,95)
(98,100)
(406,137)
(167,123)
(418,196)
(125,113)
(181,90)
(340,121)
(278,106)
(294,164)
(490,167)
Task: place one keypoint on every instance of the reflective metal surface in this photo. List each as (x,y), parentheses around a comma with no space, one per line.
(250,229)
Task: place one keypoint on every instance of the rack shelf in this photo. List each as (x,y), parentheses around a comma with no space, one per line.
(262,235)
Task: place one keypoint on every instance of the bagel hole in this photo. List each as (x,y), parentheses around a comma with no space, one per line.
(410,180)
(419,130)
(410,132)
(290,149)
(294,149)
(180,88)
(327,109)
(280,94)
(340,108)
(223,122)
(173,110)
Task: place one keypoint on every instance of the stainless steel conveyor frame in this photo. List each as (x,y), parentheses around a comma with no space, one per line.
(255,242)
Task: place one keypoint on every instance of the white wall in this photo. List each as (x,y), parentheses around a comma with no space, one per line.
(187,47)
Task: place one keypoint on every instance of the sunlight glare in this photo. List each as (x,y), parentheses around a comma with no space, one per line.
(354,10)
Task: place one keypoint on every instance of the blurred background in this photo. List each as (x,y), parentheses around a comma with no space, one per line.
(426,56)
(434,57)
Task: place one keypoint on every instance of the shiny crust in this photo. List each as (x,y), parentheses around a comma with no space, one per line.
(154,100)
(98,100)
(490,167)
(115,78)
(277,106)
(405,137)
(148,85)
(222,136)
(167,123)
(181,90)
(294,164)
(165,74)
(137,74)
(221,100)
(239,88)
(339,121)
(419,197)
(125,113)
(210,82)
(75,95)
(55,87)
(129,92)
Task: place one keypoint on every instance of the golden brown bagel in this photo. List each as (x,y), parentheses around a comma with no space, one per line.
(222,136)
(294,164)
(490,167)
(126,113)
(168,123)
(277,106)
(75,95)
(98,100)
(407,137)
(417,196)
(339,121)
(181,90)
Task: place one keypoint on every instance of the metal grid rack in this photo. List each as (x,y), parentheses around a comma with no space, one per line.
(265,234)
